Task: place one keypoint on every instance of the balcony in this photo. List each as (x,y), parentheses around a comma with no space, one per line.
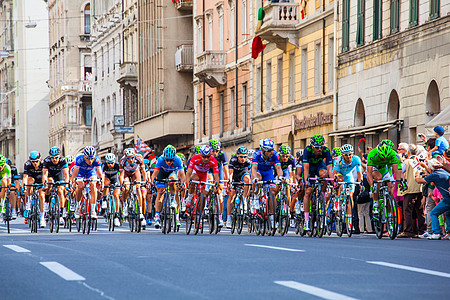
(128,75)
(85,87)
(184,5)
(184,58)
(279,24)
(211,67)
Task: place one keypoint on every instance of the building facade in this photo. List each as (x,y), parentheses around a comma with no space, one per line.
(7,82)
(107,48)
(223,70)
(294,76)
(393,69)
(70,80)
(31,71)
(165,93)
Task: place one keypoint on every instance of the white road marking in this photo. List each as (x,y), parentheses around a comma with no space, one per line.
(312,290)
(276,248)
(16,248)
(408,268)
(62,271)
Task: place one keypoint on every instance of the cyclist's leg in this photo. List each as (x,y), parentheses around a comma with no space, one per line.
(307,198)
(137,177)
(4,183)
(377,175)
(191,188)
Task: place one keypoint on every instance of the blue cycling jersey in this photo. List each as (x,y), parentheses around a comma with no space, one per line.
(162,165)
(344,168)
(83,167)
(263,164)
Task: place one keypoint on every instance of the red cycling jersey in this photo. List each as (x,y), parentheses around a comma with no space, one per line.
(199,167)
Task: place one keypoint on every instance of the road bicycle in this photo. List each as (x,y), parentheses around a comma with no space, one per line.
(110,207)
(262,219)
(283,209)
(343,215)
(33,215)
(134,210)
(317,213)
(7,215)
(54,211)
(387,212)
(86,222)
(239,213)
(169,208)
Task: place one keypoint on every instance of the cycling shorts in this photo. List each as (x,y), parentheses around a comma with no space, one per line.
(56,176)
(37,178)
(386,173)
(92,174)
(164,175)
(239,176)
(202,176)
(314,169)
(266,175)
(114,180)
(286,173)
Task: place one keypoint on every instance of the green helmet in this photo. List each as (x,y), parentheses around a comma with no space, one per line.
(181,156)
(197,149)
(336,151)
(2,160)
(285,149)
(214,144)
(317,140)
(384,148)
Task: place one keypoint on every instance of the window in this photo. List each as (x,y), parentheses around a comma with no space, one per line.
(268,85)
(258,100)
(331,63)
(210,31)
(232,110)
(88,115)
(199,36)
(107,59)
(360,23)
(113,104)
(304,72)
(87,19)
(413,12)
(434,9)
(108,109)
(220,11)
(345,25)
(210,115)
(232,21)
(317,65)
(280,80)
(200,119)
(292,76)
(377,9)
(395,8)
(244,106)
(103,111)
(221,115)
(113,55)
(244,20)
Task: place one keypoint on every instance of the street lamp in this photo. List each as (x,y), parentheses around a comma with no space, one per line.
(30,24)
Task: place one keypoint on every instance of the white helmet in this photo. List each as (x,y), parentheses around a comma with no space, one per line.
(250,153)
(110,157)
(129,152)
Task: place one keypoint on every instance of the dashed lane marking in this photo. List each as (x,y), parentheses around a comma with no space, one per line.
(312,290)
(275,248)
(408,268)
(62,271)
(17,248)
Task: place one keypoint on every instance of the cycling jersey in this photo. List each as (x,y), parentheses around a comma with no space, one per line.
(162,165)
(239,169)
(55,170)
(288,166)
(30,170)
(202,169)
(373,159)
(346,170)
(221,158)
(266,167)
(111,173)
(6,172)
(84,169)
(311,159)
(14,173)
(130,168)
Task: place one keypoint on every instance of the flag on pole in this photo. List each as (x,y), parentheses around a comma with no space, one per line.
(141,147)
(303,8)
(257,46)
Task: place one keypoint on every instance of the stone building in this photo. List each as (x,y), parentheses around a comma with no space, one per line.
(70,81)
(393,69)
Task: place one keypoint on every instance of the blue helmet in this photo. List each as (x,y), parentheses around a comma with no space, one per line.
(89,151)
(205,150)
(266,144)
(242,150)
(8,162)
(169,152)
(34,155)
(54,151)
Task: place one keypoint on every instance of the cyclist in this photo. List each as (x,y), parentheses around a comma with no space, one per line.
(168,166)
(317,162)
(110,170)
(32,173)
(5,176)
(14,195)
(343,167)
(382,163)
(335,152)
(239,172)
(88,166)
(221,158)
(198,168)
(132,168)
(265,161)
(55,169)
(289,166)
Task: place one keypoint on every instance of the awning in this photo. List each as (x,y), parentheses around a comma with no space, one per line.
(367,130)
(442,119)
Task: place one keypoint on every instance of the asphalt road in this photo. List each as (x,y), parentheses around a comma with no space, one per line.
(150,265)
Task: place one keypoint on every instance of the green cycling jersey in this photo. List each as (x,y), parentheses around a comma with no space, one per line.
(6,172)
(374,159)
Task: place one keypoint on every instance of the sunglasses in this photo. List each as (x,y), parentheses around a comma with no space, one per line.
(214,150)
(348,154)
(169,160)
(109,162)
(34,161)
(89,158)
(242,156)
(54,157)
(206,156)
(284,155)
(130,157)
(318,147)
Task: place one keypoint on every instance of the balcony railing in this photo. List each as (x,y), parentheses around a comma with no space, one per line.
(279,24)
(211,67)
(128,74)
(184,61)
(184,5)
(85,86)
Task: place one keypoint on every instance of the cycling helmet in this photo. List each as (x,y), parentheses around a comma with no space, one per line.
(214,144)
(110,157)
(8,162)
(336,151)
(129,152)
(34,155)
(285,149)
(89,151)
(197,149)
(250,153)
(70,159)
(205,150)
(242,150)
(169,152)
(266,144)
(347,148)
(299,153)
(384,148)
(54,151)
(181,156)
(317,140)
(2,160)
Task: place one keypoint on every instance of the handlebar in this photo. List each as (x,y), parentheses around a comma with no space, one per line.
(203,182)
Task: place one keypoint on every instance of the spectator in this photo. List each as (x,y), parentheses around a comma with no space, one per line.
(429,146)
(402,149)
(412,199)
(440,178)
(363,202)
(441,143)
(447,155)
(437,197)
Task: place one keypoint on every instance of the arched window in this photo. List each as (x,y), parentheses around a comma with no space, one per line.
(87,19)
(433,105)
(360,114)
(95,135)
(393,108)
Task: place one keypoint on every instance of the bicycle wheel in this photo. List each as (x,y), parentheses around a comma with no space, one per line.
(57,215)
(89,218)
(164,214)
(349,217)
(377,223)
(330,221)
(284,216)
(69,221)
(137,215)
(198,209)
(51,215)
(301,224)
(321,214)
(188,219)
(7,216)
(248,216)
(240,215)
(312,216)
(391,217)
(272,224)
(233,214)
(215,210)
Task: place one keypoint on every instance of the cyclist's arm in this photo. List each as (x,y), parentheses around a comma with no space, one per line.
(279,170)
(330,171)
(299,174)
(143,172)
(420,180)
(121,176)
(226,175)
(24,180)
(370,175)
(44,175)
(230,173)
(74,174)
(99,173)
(305,170)
(181,175)
(398,172)
(216,177)
(292,175)
(254,170)
(188,175)
(335,173)
(155,173)
(359,176)
(66,174)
